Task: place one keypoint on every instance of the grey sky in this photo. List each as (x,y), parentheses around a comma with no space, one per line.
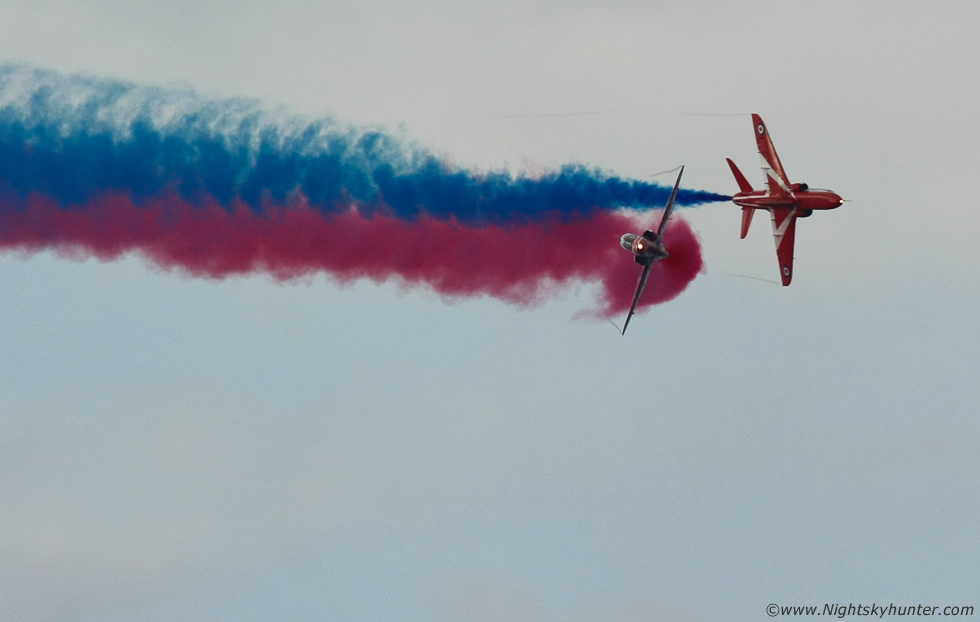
(247,450)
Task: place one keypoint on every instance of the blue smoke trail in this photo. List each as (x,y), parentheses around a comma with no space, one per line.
(75,138)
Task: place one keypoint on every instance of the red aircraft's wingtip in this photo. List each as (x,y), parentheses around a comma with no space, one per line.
(760,127)
(786,275)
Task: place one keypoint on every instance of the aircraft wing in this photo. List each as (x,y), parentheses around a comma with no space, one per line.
(784,233)
(639,292)
(776,178)
(670,205)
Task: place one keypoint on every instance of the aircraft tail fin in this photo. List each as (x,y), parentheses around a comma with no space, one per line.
(747,213)
(743,184)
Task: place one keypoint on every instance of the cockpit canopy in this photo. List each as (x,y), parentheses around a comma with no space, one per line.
(627,241)
(640,246)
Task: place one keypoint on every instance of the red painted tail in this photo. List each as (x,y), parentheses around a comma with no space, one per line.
(743,184)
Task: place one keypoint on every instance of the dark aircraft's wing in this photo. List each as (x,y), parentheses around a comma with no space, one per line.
(639,292)
(670,206)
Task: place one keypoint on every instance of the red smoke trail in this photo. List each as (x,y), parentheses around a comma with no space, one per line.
(519,264)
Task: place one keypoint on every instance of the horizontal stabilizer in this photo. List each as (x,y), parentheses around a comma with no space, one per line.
(747,213)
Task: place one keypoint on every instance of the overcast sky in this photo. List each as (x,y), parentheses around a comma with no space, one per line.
(189,449)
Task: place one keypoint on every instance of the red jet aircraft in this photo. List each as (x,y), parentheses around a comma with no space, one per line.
(785,201)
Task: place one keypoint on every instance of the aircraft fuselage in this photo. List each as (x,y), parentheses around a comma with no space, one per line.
(645,249)
(803,200)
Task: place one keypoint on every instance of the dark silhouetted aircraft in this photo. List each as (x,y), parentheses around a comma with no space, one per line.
(648,248)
